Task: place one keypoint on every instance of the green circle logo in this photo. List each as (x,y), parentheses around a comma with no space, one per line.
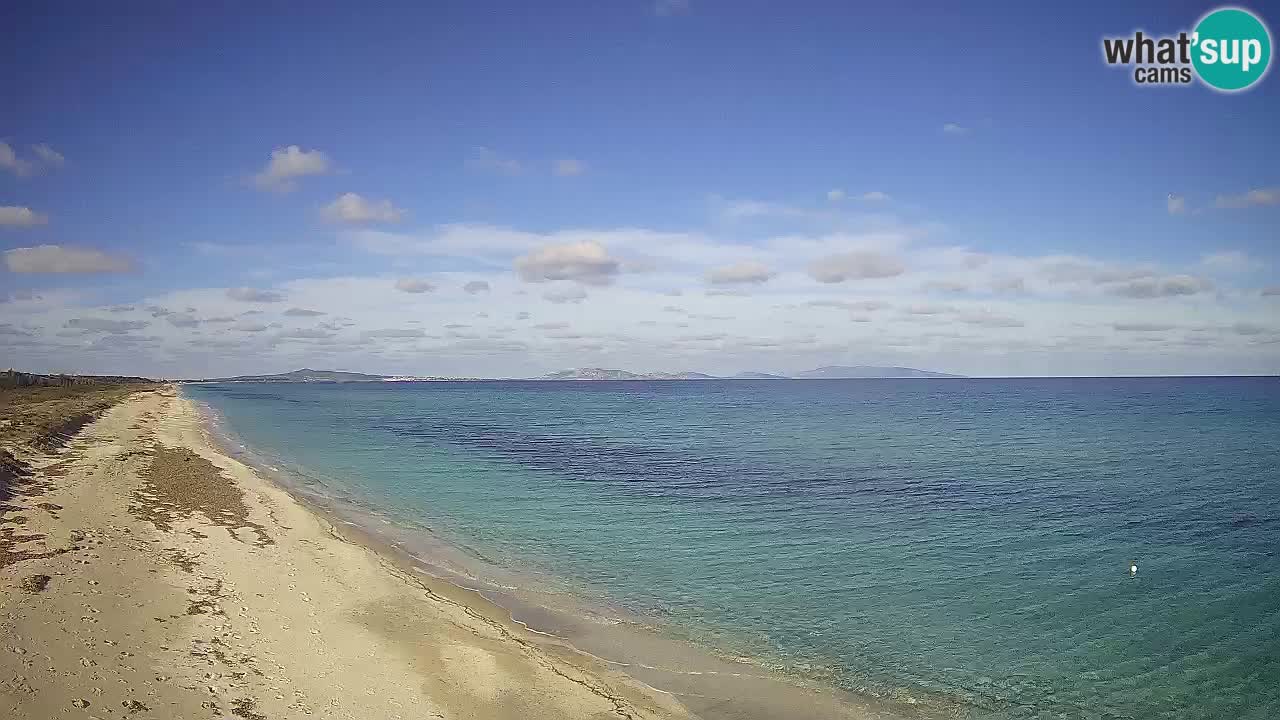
(1232,49)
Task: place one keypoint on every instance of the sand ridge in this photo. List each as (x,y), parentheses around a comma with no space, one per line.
(160,578)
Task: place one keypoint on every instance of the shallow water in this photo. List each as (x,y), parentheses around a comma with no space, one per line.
(959,539)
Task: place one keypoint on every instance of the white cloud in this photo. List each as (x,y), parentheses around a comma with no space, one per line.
(485,159)
(1272,291)
(124,341)
(18,216)
(250,327)
(247,294)
(414,286)
(1009,285)
(1133,281)
(946,286)
(394,333)
(62,259)
(565,294)
(586,262)
(876,196)
(745,272)
(566,167)
(10,161)
(1253,198)
(1157,287)
(1143,327)
(835,195)
(954,129)
(302,312)
(1068,269)
(48,155)
(1176,204)
(927,310)
(91,324)
(286,165)
(498,247)
(1243,328)
(9,329)
(46,158)
(353,208)
(862,305)
(1230,261)
(856,265)
(476,286)
(305,334)
(989,319)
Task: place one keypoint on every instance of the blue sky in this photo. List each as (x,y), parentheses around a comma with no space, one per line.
(984,151)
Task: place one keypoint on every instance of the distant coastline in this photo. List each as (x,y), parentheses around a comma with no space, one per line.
(307,375)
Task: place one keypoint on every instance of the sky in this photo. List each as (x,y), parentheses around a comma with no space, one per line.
(507,189)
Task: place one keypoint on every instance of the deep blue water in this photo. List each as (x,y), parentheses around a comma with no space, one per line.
(964,537)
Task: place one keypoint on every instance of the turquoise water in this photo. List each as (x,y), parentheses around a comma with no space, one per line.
(968,539)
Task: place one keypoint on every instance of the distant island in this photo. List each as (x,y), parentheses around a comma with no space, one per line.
(307,375)
(301,376)
(869,371)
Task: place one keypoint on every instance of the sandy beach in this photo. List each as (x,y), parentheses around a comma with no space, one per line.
(146,574)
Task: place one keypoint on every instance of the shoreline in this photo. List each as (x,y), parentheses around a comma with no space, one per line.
(710,685)
(160,578)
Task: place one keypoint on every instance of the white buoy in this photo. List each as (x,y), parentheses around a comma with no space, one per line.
(1133,570)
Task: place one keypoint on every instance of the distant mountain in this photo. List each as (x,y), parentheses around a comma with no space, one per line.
(677,376)
(305,375)
(870,371)
(605,374)
(589,374)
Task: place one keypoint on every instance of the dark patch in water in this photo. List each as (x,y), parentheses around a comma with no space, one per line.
(261,396)
(1245,520)
(586,459)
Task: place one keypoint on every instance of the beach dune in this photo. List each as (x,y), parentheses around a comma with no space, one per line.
(146,574)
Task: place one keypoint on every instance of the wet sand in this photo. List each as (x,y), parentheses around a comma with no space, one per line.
(144,573)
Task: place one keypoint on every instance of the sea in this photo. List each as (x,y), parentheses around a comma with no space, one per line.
(962,548)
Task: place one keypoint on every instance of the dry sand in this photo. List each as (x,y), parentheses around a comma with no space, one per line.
(145,574)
